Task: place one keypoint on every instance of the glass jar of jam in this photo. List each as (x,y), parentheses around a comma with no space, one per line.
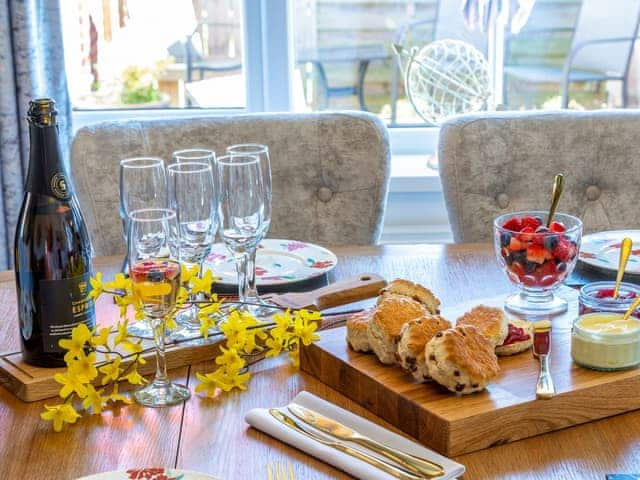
(598,297)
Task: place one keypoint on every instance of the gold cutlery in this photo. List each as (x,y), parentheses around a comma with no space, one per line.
(393,470)
(280,472)
(631,309)
(335,429)
(625,251)
(541,348)
(558,186)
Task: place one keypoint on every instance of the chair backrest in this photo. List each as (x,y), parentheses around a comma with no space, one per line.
(497,163)
(600,19)
(330,170)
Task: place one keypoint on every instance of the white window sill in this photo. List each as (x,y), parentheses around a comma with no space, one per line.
(413,174)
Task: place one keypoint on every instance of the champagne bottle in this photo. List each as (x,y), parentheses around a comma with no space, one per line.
(52,248)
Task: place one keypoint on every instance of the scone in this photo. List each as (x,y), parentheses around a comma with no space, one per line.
(387,321)
(412,290)
(462,359)
(414,336)
(357,325)
(491,322)
(519,338)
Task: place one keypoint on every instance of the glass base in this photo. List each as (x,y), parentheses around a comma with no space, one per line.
(140,329)
(189,324)
(162,394)
(535,303)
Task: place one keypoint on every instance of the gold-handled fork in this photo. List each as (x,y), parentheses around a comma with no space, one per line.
(280,471)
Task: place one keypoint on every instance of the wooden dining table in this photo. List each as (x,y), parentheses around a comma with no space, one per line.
(211,436)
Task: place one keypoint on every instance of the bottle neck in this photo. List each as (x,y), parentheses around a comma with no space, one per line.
(47,174)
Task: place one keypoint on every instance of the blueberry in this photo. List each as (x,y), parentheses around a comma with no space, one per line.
(155,275)
(530,267)
(539,219)
(561,267)
(542,229)
(505,239)
(551,242)
(519,256)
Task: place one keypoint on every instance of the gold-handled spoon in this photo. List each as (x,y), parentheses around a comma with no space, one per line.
(625,251)
(632,309)
(558,185)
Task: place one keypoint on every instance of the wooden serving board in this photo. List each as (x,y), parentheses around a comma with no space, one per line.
(30,383)
(506,411)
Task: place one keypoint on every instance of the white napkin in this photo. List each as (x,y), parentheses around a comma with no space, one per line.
(261,419)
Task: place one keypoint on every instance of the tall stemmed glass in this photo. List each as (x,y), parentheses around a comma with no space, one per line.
(262,152)
(143,184)
(192,194)
(200,155)
(154,266)
(241,210)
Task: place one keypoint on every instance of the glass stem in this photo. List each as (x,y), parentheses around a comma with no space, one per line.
(242,262)
(161,364)
(252,291)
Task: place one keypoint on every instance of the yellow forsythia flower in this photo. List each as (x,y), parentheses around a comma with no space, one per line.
(100,338)
(116,396)
(83,368)
(122,334)
(111,371)
(207,384)
(134,377)
(202,285)
(234,330)
(230,359)
(80,335)
(70,383)
(304,328)
(60,414)
(96,286)
(120,282)
(186,273)
(93,400)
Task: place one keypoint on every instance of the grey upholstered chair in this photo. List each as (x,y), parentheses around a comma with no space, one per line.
(330,170)
(496,163)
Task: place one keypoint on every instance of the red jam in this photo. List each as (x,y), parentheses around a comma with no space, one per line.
(608,293)
(516,334)
(541,343)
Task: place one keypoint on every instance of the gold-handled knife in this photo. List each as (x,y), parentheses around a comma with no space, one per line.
(393,470)
(326,425)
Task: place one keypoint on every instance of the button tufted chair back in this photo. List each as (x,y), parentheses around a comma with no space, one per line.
(492,164)
(330,170)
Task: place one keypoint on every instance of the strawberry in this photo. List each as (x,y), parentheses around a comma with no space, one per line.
(526,234)
(557,227)
(562,252)
(530,222)
(547,268)
(512,224)
(515,271)
(516,245)
(536,253)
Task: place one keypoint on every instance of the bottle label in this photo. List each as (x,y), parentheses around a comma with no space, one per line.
(64,305)
(60,186)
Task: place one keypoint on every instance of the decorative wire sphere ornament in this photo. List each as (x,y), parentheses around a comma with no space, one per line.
(444,78)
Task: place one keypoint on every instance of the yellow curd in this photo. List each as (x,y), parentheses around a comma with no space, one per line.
(605,341)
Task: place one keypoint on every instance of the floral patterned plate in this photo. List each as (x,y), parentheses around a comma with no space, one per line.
(149,474)
(602,250)
(278,262)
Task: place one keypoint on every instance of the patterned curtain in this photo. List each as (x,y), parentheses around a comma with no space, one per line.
(31,66)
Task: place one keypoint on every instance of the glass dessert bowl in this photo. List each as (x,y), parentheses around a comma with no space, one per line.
(537,259)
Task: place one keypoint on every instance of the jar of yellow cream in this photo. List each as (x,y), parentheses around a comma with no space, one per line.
(605,341)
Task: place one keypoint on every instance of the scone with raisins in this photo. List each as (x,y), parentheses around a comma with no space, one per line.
(405,288)
(386,323)
(414,336)
(462,359)
(357,325)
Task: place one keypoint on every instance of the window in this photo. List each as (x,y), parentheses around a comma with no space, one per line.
(311,55)
(131,54)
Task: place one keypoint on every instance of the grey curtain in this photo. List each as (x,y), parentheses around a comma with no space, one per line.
(31,66)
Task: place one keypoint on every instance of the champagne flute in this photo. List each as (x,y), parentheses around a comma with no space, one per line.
(200,155)
(241,212)
(262,152)
(143,184)
(154,267)
(192,195)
